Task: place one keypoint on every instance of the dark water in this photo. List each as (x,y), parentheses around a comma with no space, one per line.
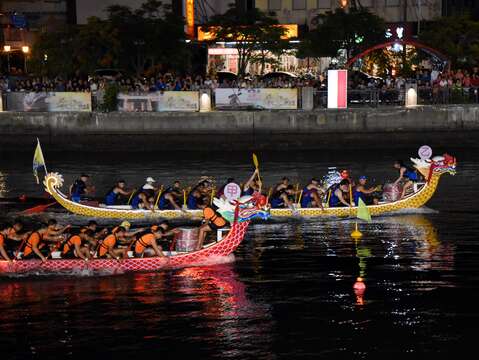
(289,292)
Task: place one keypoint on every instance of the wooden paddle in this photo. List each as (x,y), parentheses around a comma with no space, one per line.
(37,209)
(256,165)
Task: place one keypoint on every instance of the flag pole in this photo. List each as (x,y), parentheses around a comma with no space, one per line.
(44,162)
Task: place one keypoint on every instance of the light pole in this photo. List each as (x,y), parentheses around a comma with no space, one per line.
(7,49)
(25,50)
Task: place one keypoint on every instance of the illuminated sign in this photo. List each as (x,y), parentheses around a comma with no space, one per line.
(189,12)
(290,31)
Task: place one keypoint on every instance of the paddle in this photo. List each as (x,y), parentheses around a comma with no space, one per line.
(256,165)
(38,209)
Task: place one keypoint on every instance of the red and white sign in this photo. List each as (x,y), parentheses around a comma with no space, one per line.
(425,152)
(232,192)
(337,89)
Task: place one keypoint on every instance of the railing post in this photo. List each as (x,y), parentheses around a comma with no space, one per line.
(307,99)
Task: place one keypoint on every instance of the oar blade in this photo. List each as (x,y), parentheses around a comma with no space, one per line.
(255,161)
(37,209)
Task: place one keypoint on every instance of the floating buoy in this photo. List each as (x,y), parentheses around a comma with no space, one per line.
(356,234)
(359,285)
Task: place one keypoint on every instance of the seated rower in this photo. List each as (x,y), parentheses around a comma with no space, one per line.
(340,194)
(312,194)
(360,192)
(195,200)
(170,199)
(81,189)
(213,222)
(77,246)
(283,198)
(149,188)
(253,184)
(10,237)
(407,176)
(148,240)
(108,249)
(142,201)
(36,242)
(282,185)
(125,239)
(113,196)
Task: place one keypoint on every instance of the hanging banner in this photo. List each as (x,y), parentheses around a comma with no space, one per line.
(337,89)
(256,98)
(160,101)
(48,101)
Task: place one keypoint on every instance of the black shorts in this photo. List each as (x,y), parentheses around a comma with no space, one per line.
(215,227)
(69,255)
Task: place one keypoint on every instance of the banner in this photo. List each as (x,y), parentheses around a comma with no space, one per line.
(337,89)
(160,101)
(48,101)
(256,98)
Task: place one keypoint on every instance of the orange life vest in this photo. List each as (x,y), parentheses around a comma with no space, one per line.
(213,217)
(143,242)
(2,239)
(33,240)
(108,243)
(70,244)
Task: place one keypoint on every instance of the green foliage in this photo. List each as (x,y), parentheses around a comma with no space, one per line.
(456,37)
(110,98)
(354,30)
(252,30)
(130,40)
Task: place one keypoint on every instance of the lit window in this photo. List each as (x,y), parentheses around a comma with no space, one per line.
(274,4)
(299,4)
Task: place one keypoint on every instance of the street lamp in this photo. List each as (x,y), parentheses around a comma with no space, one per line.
(7,49)
(25,50)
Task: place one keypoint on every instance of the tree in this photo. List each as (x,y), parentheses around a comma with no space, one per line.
(456,37)
(340,30)
(251,30)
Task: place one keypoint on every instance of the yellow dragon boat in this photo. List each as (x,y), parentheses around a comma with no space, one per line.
(432,170)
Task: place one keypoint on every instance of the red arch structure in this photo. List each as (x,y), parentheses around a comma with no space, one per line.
(402,42)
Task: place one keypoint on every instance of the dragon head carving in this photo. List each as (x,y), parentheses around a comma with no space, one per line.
(247,208)
(51,181)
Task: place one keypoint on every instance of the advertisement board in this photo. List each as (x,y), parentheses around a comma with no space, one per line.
(48,101)
(256,98)
(160,101)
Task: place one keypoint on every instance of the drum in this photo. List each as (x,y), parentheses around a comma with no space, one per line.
(391,192)
(186,239)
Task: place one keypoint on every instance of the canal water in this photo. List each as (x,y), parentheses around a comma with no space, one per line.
(287,293)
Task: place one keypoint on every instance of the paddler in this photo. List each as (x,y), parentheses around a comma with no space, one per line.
(142,201)
(360,192)
(35,243)
(149,240)
(312,194)
(77,246)
(10,237)
(108,247)
(283,198)
(81,188)
(253,184)
(171,198)
(282,185)
(149,187)
(213,221)
(339,194)
(113,196)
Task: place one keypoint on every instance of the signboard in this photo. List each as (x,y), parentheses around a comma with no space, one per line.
(160,101)
(290,32)
(232,192)
(48,101)
(337,89)
(425,152)
(257,98)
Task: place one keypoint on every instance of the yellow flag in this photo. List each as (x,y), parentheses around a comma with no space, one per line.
(363,211)
(38,161)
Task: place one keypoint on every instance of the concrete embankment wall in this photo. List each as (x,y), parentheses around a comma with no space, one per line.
(238,130)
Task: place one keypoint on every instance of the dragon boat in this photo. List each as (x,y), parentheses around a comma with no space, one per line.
(431,169)
(238,215)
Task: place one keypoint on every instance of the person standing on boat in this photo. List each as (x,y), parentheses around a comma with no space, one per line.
(170,198)
(407,176)
(36,242)
(339,194)
(312,194)
(108,247)
(9,238)
(80,189)
(149,240)
(113,196)
(367,195)
(253,184)
(77,246)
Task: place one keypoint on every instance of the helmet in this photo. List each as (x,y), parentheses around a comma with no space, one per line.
(149,179)
(125,224)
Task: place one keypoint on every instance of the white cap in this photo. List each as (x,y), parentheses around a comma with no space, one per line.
(148,187)
(149,179)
